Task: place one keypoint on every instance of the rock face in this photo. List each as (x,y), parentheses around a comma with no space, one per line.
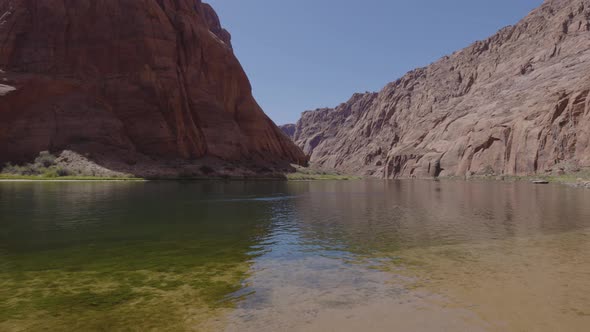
(515,103)
(289,129)
(120,78)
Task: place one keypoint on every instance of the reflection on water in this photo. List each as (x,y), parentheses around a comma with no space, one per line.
(301,256)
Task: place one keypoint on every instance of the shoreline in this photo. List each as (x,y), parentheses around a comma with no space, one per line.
(578,180)
(286,178)
(572,180)
(301,174)
(71,180)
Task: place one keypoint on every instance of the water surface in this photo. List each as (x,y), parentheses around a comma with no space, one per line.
(296,256)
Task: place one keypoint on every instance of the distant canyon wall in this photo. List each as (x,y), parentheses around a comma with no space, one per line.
(516,103)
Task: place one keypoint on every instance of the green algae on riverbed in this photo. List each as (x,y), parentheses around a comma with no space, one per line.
(121,288)
(103,256)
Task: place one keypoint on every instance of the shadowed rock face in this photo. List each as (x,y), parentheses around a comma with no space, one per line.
(516,103)
(288,129)
(124,77)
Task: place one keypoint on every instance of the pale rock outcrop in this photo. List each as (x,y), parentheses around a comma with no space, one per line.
(516,103)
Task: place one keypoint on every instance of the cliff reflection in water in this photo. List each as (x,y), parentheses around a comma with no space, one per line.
(385,215)
(422,256)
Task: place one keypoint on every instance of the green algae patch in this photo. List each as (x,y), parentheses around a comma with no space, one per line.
(124,256)
(313,174)
(169,290)
(320,177)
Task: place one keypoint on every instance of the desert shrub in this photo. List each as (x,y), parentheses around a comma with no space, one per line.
(489,171)
(55,172)
(27,169)
(45,159)
(42,165)
(51,173)
(62,171)
(30,169)
(566,168)
(9,168)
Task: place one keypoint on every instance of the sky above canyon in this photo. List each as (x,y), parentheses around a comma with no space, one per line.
(305,54)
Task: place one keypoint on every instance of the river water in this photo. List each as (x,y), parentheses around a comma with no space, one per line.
(294,256)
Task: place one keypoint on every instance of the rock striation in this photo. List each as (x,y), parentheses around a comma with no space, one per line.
(516,103)
(128,79)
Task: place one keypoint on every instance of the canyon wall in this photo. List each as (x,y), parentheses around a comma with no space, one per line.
(516,103)
(120,78)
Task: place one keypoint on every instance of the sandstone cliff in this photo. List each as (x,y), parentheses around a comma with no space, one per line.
(515,103)
(289,129)
(128,79)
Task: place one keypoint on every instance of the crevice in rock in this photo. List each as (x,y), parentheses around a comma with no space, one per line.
(440,120)
(554,52)
(581,98)
(485,145)
(508,135)
(527,68)
(437,169)
(67,29)
(560,108)
(420,139)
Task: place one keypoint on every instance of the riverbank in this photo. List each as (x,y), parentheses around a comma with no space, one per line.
(573,181)
(40,178)
(579,179)
(305,175)
(285,177)
(73,167)
(313,174)
(34,178)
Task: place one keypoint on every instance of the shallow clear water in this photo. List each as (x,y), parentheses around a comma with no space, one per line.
(296,256)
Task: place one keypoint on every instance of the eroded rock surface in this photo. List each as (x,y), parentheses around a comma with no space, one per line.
(289,129)
(515,103)
(125,78)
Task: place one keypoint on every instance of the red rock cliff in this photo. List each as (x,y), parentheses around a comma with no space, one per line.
(154,77)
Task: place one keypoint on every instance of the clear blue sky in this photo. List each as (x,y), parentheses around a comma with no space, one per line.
(305,54)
